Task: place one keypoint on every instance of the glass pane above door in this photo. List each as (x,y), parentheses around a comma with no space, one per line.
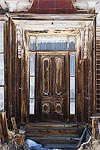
(52,43)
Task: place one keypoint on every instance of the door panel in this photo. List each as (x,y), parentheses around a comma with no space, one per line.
(52,88)
(45,64)
(59,63)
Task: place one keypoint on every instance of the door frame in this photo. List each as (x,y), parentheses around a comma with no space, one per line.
(17,68)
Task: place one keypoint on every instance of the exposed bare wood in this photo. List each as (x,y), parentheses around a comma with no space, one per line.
(4,127)
(97,72)
(18,68)
(95,128)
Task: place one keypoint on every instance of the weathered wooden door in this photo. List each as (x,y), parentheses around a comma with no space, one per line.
(52,89)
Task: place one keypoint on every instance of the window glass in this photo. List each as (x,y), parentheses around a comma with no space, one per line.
(72,65)
(32,64)
(71,43)
(32,84)
(1,37)
(72,106)
(2,61)
(1,66)
(52,43)
(72,84)
(32,106)
(32,87)
(1,76)
(72,87)
(1,98)
(1,69)
(32,43)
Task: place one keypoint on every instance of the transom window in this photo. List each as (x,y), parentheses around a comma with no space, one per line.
(52,43)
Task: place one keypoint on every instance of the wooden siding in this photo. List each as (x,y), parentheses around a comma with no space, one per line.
(98,70)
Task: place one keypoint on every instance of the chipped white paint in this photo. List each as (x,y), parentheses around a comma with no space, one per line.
(16,5)
(80,4)
(92,4)
(89,6)
(85,5)
(67,27)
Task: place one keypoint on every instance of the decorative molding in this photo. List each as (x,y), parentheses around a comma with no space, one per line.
(46,76)
(86,43)
(16,5)
(80,5)
(82,41)
(85,5)
(58,107)
(46,108)
(19,42)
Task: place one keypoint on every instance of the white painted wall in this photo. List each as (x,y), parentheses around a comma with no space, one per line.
(97,8)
